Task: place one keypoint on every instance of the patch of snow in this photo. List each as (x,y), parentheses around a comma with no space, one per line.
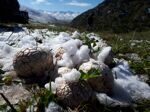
(53,107)
(75,34)
(127,87)
(106,56)
(72,76)
(66,61)
(60,80)
(70,47)
(87,66)
(109,101)
(63,70)
(27,42)
(130,83)
(51,86)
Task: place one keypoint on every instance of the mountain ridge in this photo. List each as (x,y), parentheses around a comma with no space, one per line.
(49,16)
(37,16)
(115,15)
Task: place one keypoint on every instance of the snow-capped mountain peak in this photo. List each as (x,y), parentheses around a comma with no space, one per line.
(37,16)
(49,16)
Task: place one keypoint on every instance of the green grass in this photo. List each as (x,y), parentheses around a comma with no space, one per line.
(50,27)
(123,43)
(91,74)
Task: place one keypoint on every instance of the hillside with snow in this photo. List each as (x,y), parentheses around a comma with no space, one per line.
(63,16)
(49,17)
(37,16)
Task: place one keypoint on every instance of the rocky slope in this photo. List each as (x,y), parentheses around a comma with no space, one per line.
(116,15)
(9,12)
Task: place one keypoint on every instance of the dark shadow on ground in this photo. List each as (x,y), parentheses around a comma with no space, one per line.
(15,28)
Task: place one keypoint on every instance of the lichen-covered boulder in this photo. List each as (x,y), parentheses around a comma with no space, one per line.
(33,65)
(73,94)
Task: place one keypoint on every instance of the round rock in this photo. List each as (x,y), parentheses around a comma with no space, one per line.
(33,65)
(73,94)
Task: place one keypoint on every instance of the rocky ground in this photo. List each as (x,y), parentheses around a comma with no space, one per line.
(53,71)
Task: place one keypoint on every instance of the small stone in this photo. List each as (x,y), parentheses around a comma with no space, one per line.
(133,56)
(103,83)
(72,94)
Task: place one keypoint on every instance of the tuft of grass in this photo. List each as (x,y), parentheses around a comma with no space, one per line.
(132,42)
(143,106)
(91,74)
(40,100)
(50,27)
(89,42)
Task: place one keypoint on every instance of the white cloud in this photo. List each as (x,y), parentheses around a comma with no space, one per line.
(46,2)
(79,4)
(41,1)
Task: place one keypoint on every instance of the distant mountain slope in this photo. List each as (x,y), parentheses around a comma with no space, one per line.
(63,16)
(49,17)
(37,16)
(116,15)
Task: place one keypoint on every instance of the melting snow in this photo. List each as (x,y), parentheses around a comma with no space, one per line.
(127,86)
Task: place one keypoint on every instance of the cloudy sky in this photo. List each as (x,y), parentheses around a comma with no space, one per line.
(61,5)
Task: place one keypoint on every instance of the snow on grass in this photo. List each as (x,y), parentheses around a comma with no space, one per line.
(131,83)
(70,52)
(104,53)
(74,75)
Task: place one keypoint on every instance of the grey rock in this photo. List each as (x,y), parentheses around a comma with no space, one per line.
(53,107)
(14,93)
(103,83)
(34,65)
(72,94)
(133,56)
